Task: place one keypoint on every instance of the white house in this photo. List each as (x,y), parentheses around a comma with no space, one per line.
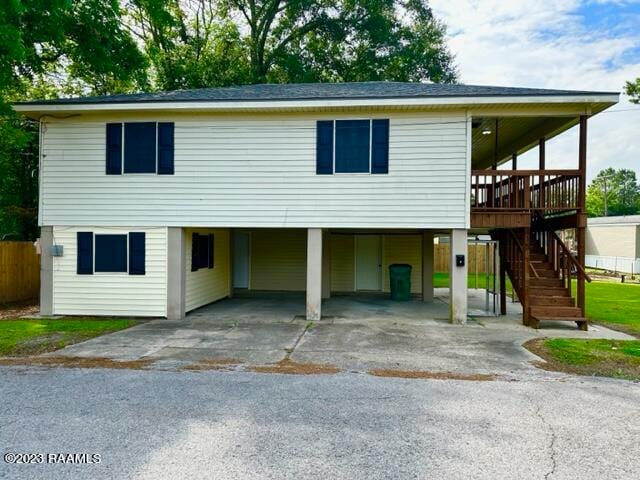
(613,243)
(159,203)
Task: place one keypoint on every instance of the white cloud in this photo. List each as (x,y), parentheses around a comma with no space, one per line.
(546,44)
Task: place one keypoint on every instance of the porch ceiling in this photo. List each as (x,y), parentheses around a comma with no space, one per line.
(514,135)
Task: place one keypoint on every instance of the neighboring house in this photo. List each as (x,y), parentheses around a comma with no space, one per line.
(613,243)
(164,202)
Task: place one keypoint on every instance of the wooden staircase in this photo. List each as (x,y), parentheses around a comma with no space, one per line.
(541,269)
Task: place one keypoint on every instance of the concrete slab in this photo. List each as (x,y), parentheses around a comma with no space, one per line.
(356,333)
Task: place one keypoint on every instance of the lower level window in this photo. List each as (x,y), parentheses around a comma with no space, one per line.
(102,252)
(111,253)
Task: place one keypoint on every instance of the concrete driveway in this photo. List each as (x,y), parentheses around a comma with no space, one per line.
(357,334)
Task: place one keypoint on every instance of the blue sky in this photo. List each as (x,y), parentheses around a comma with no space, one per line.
(583,45)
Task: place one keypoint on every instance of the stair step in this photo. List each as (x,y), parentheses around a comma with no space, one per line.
(551,300)
(553,311)
(549,291)
(560,319)
(545,282)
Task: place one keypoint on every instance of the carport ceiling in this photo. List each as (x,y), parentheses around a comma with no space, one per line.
(514,134)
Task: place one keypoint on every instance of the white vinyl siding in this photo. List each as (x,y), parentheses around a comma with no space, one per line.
(110,293)
(207,285)
(258,171)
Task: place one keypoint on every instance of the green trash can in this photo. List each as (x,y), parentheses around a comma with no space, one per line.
(400,281)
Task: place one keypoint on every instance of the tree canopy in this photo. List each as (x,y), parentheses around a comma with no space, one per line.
(633,90)
(613,192)
(203,43)
(78,47)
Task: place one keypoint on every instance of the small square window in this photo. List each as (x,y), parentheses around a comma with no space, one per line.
(110,253)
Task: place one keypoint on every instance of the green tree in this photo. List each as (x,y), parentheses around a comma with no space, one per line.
(633,90)
(613,192)
(227,42)
(53,48)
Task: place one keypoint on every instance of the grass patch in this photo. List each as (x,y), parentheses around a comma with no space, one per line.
(441,280)
(616,305)
(35,336)
(606,358)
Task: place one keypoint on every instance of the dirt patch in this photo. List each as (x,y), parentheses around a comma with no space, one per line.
(213,364)
(19,309)
(602,368)
(294,368)
(478,377)
(77,362)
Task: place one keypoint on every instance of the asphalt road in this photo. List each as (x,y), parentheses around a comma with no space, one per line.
(172,425)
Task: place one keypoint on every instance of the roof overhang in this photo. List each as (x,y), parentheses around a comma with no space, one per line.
(586,103)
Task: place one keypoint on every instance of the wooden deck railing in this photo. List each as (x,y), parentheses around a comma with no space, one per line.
(525,190)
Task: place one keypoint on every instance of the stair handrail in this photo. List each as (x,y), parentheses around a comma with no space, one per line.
(567,253)
(521,248)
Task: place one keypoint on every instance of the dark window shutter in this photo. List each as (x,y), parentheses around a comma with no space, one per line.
(165,148)
(140,147)
(324,147)
(380,146)
(211,250)
(352,146)
(136,253)
(114,148)
(85,253)
(195,250)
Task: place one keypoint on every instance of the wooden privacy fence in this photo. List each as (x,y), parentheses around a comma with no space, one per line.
(476,261)
(19,272)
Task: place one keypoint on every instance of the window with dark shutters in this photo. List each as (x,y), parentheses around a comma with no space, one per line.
(352,146)
(136,253)
(148,148)
(85,253)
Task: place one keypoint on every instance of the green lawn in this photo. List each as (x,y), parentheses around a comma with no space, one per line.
(610,358)
(31,337)
(441,280)
(615,304)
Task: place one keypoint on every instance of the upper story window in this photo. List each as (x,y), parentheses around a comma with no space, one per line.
(140,147)
(352,146)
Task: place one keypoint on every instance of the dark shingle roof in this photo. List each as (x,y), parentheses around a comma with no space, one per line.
(317,91)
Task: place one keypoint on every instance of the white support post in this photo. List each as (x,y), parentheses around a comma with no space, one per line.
(326,264)
(46,271)
(314,274)
(176,273)
(458,277)
(427,266)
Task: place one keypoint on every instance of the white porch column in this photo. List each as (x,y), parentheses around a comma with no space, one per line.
(176,273)
(427,266)
(46,271)
(458,277)
(314,273)
(326,264)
